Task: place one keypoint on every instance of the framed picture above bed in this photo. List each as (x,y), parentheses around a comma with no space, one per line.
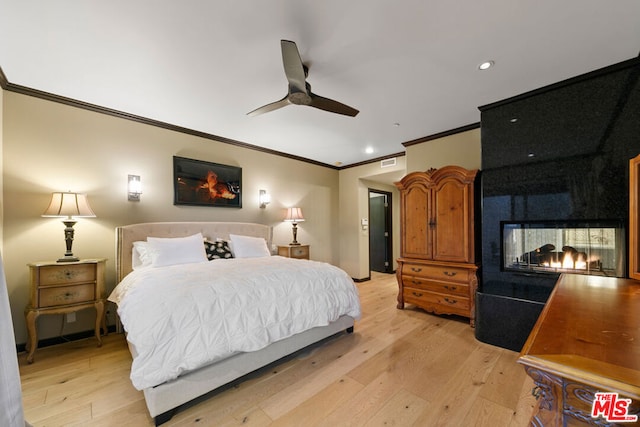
(201,183)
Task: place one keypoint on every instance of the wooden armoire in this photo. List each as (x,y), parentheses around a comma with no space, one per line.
(437,266)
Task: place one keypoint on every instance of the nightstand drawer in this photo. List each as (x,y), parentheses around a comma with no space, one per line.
(65,295)
(299,252)
(294,251)
(76,273)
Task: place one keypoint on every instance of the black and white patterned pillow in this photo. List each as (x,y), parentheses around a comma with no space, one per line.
(217,250)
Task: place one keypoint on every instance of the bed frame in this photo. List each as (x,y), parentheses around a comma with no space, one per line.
(165,399)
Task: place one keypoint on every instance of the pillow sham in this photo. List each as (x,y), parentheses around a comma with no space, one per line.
(249,247)
(217,250)
(176,250)
(140,255)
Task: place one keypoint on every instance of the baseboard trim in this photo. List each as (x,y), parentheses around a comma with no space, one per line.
(47,342)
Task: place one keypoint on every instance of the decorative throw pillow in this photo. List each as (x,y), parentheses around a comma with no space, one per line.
(217,250)
(249,247)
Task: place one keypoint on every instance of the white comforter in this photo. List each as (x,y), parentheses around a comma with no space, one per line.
(182,317)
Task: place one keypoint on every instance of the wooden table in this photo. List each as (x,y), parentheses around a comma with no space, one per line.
(586,340)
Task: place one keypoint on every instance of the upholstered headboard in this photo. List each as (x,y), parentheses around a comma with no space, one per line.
(127,234)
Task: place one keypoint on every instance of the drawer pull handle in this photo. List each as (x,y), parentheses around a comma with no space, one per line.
(416,269)
(415,282)
(67,296)
(450,273)
(416,294)
(450,301)
(67,274)
(451,288)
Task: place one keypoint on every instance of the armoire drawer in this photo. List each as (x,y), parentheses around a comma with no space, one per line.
(426,284)
(436,272)
(448,303)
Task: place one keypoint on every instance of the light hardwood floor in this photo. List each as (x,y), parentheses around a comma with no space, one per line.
(399,368)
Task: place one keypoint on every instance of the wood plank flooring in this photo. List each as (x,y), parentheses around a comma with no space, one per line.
(399,368)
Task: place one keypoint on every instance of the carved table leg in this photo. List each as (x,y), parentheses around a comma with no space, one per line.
(32,332)
(548,391)
(99,320)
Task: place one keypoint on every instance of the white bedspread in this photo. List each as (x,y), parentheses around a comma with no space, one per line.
(182,317)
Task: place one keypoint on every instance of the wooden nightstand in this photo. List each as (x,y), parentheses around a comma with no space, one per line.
(294,251)
(60,288)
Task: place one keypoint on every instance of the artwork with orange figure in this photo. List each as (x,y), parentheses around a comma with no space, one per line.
(216,188)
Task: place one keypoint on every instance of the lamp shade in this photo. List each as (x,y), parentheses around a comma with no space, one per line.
(69,205)
(294,215)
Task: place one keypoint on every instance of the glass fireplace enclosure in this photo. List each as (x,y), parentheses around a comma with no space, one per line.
(580,247)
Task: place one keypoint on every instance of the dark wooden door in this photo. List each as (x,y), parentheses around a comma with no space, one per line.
(380,249)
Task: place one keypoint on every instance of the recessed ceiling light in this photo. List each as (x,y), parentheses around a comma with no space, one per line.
(530,155)
(396,124)
(368,150)
(486,65)
(513,120)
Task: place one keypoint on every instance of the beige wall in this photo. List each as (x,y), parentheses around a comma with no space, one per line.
(53,147)
(354,205)
(460,149)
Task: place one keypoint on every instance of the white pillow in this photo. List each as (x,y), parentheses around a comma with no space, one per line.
(176,250)
(249,247)
(140,255)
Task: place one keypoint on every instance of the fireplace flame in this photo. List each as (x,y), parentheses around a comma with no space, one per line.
(568,262)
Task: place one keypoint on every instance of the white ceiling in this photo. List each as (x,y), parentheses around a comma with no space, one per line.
(203,64)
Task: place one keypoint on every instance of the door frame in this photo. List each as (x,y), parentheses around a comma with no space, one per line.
(388,220)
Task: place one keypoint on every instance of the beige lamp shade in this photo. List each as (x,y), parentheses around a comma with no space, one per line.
(69,205)
(294,215)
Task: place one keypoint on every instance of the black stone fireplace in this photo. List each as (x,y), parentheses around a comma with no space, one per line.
(554,184)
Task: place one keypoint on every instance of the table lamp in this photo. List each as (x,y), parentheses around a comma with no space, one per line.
(294,215)
(71,206)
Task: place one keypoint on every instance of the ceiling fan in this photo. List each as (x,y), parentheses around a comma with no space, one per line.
(299,90)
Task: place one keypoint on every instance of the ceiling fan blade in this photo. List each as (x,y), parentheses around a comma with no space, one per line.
(270,107)
(293,68)
(332,106)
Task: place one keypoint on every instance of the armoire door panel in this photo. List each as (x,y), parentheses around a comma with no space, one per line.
(451,233)
(417,233)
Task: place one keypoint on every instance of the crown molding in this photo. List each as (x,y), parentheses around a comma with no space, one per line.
(24,90)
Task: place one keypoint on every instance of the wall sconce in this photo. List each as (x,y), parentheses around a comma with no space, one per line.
(294,215)
(134,188)
(264,198)
(71,206)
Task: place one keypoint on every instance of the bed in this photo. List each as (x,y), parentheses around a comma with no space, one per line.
(165,306)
